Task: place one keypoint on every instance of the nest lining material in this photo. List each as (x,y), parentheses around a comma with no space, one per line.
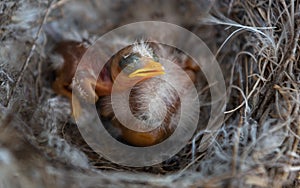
(257,46)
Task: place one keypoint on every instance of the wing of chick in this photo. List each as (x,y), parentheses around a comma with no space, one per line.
(66,58)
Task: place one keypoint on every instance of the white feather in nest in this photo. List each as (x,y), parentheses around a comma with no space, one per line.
(51,116)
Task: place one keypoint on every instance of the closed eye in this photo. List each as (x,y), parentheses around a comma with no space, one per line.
(130,63)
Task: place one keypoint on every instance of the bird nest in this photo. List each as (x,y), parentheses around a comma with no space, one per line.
(256,44)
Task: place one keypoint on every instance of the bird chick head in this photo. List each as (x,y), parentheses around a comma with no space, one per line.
(141,62)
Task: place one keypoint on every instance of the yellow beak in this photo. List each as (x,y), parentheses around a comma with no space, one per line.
(150,70)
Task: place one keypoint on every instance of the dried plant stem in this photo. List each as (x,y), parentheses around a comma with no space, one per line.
(31,52)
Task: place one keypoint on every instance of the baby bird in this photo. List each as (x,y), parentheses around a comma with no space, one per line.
(136,66)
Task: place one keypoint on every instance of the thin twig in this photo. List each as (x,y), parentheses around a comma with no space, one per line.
(26,63)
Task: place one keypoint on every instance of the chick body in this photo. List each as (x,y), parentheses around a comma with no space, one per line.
(155,101)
